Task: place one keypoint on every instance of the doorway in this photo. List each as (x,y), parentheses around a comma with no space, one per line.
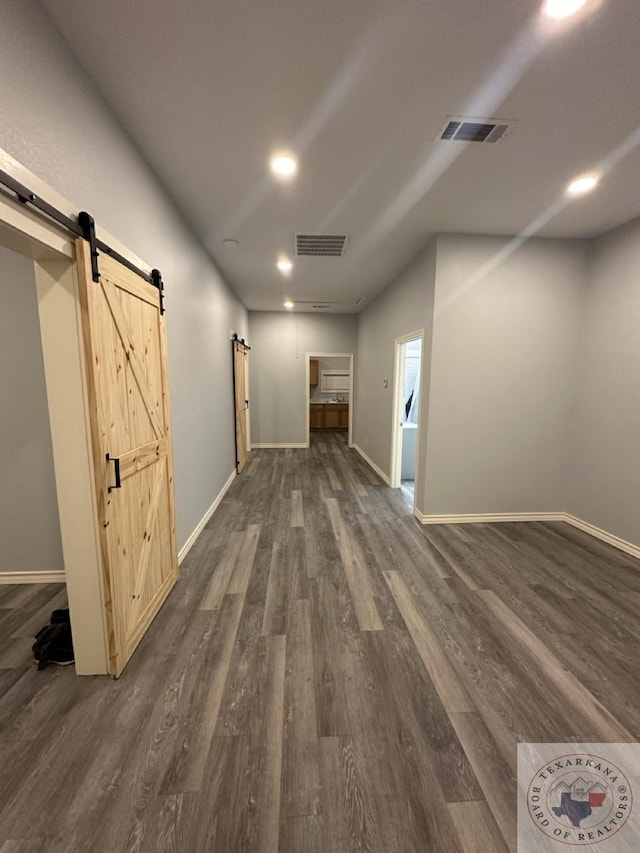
(30,541)
(406,413)
(70,554)
(329,393)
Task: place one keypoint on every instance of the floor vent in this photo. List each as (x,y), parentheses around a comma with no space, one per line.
(474,130)
(321,245)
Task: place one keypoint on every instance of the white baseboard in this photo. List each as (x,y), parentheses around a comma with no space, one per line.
(373,465)
(489,518)
(277,446)
(492,518)
(32,577)
(616,541)
(205,518)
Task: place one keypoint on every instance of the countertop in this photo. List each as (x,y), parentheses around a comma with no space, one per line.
(329,402)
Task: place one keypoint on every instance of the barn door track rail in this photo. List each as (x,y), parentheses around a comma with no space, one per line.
(83,227)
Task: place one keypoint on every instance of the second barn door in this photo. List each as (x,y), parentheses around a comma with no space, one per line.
(240,363)
(125,348)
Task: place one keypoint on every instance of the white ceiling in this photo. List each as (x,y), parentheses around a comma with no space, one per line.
(208,89)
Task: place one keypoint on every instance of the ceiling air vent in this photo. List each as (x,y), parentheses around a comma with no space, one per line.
(317,306)
(321,245)
(474,130)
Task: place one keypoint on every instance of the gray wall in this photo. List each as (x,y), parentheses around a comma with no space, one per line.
(503,372)
(404,307)
(277,368)
(29,525)
(501,334)
(606,436)
(56,123)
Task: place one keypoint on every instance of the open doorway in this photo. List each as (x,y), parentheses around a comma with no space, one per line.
(31,560)
(30,540)
(329,393)
(406,408)
(49,556)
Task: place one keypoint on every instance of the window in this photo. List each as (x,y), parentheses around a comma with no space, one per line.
(334,381)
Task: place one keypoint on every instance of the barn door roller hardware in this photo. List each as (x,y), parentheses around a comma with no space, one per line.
(156,281)
(84,227)
(88,226)
(238,340)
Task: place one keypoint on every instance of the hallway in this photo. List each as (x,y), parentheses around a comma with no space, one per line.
(327,676)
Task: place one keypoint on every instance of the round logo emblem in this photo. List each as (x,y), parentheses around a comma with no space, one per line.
(579,799)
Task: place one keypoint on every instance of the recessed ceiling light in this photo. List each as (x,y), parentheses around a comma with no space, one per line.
(230,244)
(288,304)
(284,265)
(284,166)
(583,184)
(562,8)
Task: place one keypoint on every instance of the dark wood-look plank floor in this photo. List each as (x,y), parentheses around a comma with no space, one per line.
(327,676)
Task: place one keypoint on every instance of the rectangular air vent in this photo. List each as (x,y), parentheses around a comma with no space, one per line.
(321,245)
(474,130)
(316,306)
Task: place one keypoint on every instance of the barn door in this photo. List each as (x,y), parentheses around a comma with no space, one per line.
(240,355)
(124,336)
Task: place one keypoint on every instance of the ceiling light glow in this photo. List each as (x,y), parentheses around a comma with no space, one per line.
(284,265)
(288,304)
(284,166)
(562,8)
(583,184)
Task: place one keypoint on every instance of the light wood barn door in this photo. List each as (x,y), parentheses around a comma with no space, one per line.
(242,403)
(125,347)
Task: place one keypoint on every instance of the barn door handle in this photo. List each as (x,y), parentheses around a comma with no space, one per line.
(116,471)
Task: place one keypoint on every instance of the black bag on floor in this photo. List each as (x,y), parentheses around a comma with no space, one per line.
(53,642)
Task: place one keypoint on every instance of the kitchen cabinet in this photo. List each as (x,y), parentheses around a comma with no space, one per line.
(314,371)
(316,417)
(329,416)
